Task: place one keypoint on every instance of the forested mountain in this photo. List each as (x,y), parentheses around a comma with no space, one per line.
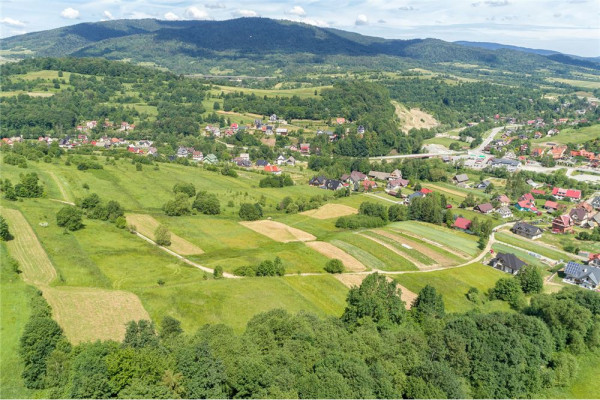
(268,44)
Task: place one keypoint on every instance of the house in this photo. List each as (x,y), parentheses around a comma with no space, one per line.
(426,191)
(280,160)
(396,184)
(397,174)
(507,262)
(527,197)
(291,161)
(538,192)
(281,131)
(594,220)
(551,206)
(242,162)
(571,194)
(333,184)
(526,205)
(317,181)
(273,118)
(368,185)
(382,176)
(595,202)
(414,196)
(558,152)
(340,120)
(526,230)
(585,276)
(245,156)
(360,130)
(462,178)
(182,152)
(210,159)
(485,208)
(562,224)
(357,176)
(504,212)
(197,156)
(483,184)
(462,223)
(261,163)
(594,260)
(579,216)
(503,200)
(305,148)
(586,206)
(274,169)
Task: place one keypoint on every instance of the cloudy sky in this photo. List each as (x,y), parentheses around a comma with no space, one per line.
(569,26)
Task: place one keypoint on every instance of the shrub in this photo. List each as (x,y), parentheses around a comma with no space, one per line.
(207,204)
(531,280)
(218,272)
(334,266)
(69,217)
(5,234)
(250,212)
(275,181)
(162,236)
(187,188)
(121,222)
(178,206)
(374,210)
(359,221)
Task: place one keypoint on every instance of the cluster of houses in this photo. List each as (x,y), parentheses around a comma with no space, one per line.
(89,125)
(356,180)
(243,160)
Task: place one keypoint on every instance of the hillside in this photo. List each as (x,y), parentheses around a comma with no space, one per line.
(232,44)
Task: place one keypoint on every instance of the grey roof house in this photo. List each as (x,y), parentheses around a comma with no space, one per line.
(507,262)
(526,230)
(583,275)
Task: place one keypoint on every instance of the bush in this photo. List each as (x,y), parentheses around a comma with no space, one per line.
(178,206)
(397,212)
(5,234)
(121,222)
(187,188)
(531,280)
(250,212)
(275,181)
(69,217)
(162,236)
(508,289)
(334,266)
(374,210)
(218,272)
(265,268)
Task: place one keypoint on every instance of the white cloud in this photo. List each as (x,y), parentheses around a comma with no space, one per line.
(361,20)
(196,13)
(297,10)
(11,22)
(214,5)
(170,16)
(69,13)
(245,13)
(108,15)
(407,8)
(313,21)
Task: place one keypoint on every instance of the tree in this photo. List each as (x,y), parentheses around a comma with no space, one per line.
(162,236)
(397,212)
(171,327)
(140,334)
(334,266)
(207,203)
(203,374)
(179,206)
(377,299)
(250,212)
(29,187)
(218,272)
(40,337)
(508,289)
(429,303)
(187,188)
(114,210)
(5,234)
(531,280)
(69,217)
(90,201)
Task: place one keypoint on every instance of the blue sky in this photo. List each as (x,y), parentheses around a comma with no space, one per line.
(569,26)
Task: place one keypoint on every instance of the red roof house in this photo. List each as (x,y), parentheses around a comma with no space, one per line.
(462,223)
(551,205)
(426,191)
(562,224)
(273,169)
(571,194)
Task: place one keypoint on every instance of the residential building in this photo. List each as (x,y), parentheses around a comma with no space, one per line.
(461,178)
(579,216)
(571,194)
(526,230)
(382,176)
(461,223)
(551,206)
(507,262)
(510,165)
(504,212)
(585,276)
(562,224)
(485,208)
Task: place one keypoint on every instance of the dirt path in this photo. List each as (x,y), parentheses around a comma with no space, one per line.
(418,264)
(147,225)
(61,188)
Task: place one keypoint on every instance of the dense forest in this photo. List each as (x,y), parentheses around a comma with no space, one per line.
(377,349)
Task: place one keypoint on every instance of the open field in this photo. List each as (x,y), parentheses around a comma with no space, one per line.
(235,301)
(577,83)
(572,135)
(27,250)
(330,251)
(302,92)
(278,231)
(442,258)
(515,240)
(90,314)
(147,225)
(454,283)
(330,210)
(450,238)
(372,254)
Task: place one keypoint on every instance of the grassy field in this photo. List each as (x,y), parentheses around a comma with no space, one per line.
(523,255)
(516,240)
(577,83)
(14,312)
(585,384)
(444,141)
(449,238)
(572,135)
(454,283)
(306,92)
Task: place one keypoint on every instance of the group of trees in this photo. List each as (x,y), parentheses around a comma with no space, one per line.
(292,206)
(28,187)
(370,215)
(276,181)
(528,281)
(95,208)
(207,203)
(264,268)
(250,212)
(377,349)
(5,234)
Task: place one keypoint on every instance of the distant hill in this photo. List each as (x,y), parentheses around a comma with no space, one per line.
(542,52)
(255,46)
